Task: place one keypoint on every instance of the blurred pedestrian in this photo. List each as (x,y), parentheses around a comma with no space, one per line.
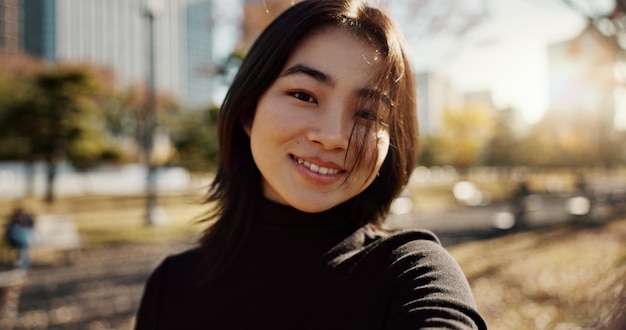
(318,135)
(19,234)
(519,203)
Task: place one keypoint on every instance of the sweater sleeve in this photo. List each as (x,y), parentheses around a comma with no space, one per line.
(429,290)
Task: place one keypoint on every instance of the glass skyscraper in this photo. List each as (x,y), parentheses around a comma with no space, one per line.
(113,34)
(199,66)
(39,28)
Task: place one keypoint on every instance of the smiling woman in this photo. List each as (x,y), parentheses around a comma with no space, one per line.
(303,156)
(317,137)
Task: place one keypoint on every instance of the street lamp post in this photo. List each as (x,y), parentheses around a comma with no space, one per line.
(152,9)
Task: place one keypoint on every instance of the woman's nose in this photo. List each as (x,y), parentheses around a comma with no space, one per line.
(332,129)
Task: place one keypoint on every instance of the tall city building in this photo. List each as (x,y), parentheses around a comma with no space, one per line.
(28,27)
(38,28)
(9,26)
(586,80)
(435,95)
(587,97)
(114,34)
(198,65)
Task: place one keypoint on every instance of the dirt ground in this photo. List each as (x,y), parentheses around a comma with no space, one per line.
(100,289)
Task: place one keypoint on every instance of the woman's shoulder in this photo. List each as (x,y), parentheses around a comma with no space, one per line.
(369,242)
(403,235)
(179,264)
(408,249)
(189,254)
(400,239)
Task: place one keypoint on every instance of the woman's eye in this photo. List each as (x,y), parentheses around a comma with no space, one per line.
(367,115)
(303,96)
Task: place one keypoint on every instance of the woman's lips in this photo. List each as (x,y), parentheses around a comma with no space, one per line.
(323,170)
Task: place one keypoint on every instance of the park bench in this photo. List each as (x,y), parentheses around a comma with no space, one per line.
(53,233)
(57,233)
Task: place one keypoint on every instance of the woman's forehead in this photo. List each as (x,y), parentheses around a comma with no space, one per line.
(325,48)
(341,32)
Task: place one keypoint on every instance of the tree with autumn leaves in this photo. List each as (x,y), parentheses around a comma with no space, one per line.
(51,115)
(462,139)
(78,115)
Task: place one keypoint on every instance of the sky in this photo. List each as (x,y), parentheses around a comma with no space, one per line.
(507,53)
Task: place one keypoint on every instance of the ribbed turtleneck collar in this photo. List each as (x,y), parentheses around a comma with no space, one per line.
(278,219)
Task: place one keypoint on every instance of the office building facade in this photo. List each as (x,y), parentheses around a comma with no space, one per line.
(114,34)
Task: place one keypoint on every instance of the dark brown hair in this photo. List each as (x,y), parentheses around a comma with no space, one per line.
(236,189)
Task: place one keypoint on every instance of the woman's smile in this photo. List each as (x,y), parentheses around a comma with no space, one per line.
(319,169)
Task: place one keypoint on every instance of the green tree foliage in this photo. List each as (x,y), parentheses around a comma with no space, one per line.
(427,151)
(55,116)
(195,139)
(12,92)
(463,137)
(501,148)
(563,141)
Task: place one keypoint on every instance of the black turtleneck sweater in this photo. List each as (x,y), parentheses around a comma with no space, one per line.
(314,271)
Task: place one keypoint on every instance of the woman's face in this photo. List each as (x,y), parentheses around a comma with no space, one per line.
(301,129)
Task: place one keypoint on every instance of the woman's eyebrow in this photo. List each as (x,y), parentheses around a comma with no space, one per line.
(311,72)
(365,93)
(375,95)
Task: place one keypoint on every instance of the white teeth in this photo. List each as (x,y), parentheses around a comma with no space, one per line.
(316,168)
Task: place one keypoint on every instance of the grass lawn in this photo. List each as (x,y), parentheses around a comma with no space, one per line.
(568,277)
(122,219)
